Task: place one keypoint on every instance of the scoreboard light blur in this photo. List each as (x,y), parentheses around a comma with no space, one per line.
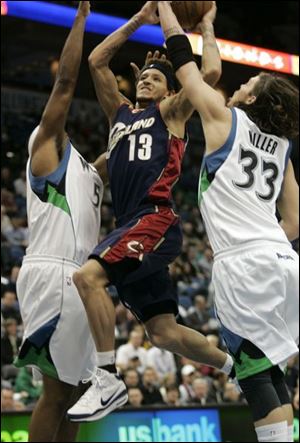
(104,24)
(251,55)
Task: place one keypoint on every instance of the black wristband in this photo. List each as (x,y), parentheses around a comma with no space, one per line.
(180,51)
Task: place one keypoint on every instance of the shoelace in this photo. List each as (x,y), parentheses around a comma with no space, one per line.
(89,394)
(93,378)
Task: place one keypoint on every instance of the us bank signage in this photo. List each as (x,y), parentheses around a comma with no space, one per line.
(173,426)
(193,425)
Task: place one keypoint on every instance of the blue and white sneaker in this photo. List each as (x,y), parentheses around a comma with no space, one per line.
(107,393)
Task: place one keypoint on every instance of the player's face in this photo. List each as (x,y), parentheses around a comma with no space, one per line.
(244,94)
(152,86)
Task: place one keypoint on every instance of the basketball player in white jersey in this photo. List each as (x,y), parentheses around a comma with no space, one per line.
(245,173)
(64,195)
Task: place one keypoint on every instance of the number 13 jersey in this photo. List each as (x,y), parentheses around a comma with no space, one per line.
(240,184)
(144,160)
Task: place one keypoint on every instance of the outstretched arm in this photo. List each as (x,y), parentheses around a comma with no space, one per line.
(49,138)
(211,65)
(105,83)
(288,204)
(211,69)
(216,118)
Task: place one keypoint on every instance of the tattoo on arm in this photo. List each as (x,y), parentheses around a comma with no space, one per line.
(132,26)
(107,55)
(111,45)
(172,31)
(209,40)
(179,107)
(110,51)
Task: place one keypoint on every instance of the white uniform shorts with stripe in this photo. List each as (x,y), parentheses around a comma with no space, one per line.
(57,339)
(257,299)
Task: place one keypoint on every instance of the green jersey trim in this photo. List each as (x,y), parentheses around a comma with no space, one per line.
(57,199)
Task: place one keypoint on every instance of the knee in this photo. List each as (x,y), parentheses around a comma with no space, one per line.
(56,401)
(260,394)
(87,282)
(163,339)
(81,280)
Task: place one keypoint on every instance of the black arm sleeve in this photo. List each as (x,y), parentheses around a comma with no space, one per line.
(180,51)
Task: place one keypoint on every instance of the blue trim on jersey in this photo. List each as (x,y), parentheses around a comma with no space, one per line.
(42,335)
(232,340)
(288,154)
(215,160)
(202,167)
(38,183)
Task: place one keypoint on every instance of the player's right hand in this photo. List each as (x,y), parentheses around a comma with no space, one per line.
(148,13)
(210,16)
(84,8)
(157,56)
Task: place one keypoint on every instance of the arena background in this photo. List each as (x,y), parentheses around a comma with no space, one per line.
(30,50)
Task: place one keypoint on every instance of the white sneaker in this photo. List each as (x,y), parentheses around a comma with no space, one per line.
(107,393)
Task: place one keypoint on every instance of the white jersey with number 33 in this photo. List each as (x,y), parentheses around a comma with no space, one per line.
(240,184)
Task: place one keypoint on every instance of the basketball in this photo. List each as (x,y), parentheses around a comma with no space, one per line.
(189,14)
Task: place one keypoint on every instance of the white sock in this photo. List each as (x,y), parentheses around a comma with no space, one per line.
(105,358)
(290,433)
(228,365)
(273,432)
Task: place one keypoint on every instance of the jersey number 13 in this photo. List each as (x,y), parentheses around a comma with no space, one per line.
(144,148)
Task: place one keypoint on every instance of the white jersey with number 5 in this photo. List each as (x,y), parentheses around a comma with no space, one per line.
(64,222)
(64,209)
(239,186)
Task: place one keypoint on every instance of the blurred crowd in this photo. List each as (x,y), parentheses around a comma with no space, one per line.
(153,376)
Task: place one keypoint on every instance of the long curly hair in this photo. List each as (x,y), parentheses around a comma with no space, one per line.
(276,108)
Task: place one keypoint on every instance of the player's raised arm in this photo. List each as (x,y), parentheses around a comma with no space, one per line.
(216,118)
(288,204)
(56,111)
(49,138)
(211,69)
(104,79)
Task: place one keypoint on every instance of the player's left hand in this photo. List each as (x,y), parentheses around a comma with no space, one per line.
(207,20)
